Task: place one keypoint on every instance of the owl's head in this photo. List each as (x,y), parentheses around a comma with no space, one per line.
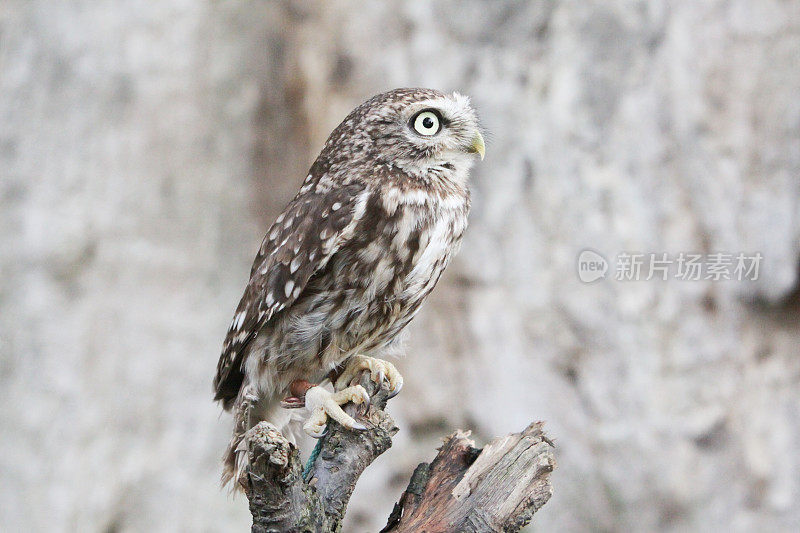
(416,130)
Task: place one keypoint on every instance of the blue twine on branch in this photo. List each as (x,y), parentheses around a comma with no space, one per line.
(311,459)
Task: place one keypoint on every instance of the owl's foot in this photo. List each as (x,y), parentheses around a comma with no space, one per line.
(378,369)
(324,404)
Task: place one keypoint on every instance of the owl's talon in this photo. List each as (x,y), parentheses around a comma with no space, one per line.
(325,404)
(395,391)
(379,370)
(365,398)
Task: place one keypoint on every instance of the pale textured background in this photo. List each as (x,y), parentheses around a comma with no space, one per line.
(145,147)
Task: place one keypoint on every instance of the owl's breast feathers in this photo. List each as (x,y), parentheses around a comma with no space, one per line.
(397,253)
(343,269)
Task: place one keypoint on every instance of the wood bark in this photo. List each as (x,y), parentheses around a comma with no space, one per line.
(467,489)
(464,489)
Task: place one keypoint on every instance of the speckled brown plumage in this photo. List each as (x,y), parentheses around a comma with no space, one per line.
(350,260)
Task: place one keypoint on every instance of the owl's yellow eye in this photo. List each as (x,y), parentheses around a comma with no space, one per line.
(427,123)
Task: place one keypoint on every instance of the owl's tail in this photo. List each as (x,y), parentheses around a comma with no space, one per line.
(249,409)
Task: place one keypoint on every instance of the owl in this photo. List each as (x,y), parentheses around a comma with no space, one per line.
(347,264)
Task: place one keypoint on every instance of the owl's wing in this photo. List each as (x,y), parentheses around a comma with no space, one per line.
(300,242)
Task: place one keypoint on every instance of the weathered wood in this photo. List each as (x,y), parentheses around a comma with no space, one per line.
(463,489)
(466,489)
(345,454)
(281,500)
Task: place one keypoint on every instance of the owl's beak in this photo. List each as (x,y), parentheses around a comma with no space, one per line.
(477,146)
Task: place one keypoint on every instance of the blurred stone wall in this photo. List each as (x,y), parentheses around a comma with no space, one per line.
(146,146)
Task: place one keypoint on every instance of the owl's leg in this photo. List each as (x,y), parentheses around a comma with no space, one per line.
(324,404)
(236,458)
(297,394)
(378,369)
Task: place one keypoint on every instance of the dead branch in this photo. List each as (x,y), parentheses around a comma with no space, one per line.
(464,488)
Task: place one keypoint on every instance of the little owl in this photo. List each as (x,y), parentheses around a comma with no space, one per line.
(348,263)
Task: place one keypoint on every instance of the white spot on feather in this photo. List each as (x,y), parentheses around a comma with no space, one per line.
(436,248)
(295,264)
(238,320)
(382,275)
(288,288)
(361,205)
(372,252)
(405,225)
(391,199)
